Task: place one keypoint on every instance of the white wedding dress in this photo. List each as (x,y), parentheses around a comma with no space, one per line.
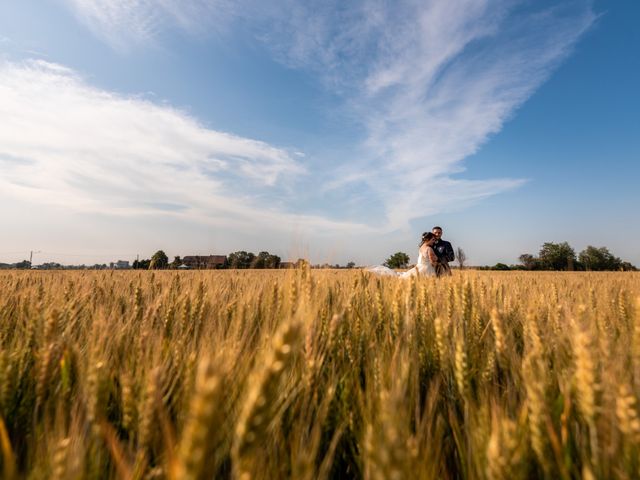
(422,269)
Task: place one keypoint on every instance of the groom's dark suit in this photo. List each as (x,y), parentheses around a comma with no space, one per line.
(444,251)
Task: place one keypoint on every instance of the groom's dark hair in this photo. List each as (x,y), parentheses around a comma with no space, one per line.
(436,228)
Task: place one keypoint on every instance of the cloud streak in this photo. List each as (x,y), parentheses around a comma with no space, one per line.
(68,144)
(124,22)
(429,82)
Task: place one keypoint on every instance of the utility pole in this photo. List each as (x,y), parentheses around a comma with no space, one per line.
(31,257)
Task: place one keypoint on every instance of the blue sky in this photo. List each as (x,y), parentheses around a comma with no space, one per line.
(334,130)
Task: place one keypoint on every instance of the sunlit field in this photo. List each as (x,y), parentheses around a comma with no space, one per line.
(311,374)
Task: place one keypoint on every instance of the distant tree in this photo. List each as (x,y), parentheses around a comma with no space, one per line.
(177,261)
(273,261)
(259,260)
(265,260)
(141,264)
(397,260)
(461,257)
(500,266)
(557,256)
(23,265)
(240,259)
(159,261)
(593,258)
(528,261)
(628,267)
(351,264)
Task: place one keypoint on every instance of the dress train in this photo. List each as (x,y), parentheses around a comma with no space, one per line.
(422,269)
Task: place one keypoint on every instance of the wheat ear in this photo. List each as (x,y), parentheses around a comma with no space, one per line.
(259,408)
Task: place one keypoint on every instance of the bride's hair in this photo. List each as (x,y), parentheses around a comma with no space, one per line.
(426,236)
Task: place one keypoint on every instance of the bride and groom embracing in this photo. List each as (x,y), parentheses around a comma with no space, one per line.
(434,255)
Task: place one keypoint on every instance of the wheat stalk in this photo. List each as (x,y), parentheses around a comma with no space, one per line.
(258,409)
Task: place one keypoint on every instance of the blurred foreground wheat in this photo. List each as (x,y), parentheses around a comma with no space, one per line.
(319,374)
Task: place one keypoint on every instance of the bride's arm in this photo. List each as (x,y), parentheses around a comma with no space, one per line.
(431,255)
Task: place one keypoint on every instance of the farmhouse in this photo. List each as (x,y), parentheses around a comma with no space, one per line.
(204,261)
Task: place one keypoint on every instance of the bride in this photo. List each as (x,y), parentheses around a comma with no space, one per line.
(427,261)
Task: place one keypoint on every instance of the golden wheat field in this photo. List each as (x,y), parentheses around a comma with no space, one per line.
(319,374)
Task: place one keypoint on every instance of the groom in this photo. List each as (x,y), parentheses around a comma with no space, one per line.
(444,252)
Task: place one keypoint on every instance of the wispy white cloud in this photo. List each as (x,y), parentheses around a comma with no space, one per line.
(123,22)
(430,81)
(71,145)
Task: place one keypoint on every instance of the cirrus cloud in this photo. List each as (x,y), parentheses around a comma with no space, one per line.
(428,83)
(69,144)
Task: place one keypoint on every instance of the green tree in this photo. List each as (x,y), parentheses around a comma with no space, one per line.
(528,261)
(177,261)
(501,266)
(272,261)
(351,264)
(23,265)
(258,260)
(141,264)
(159,261)
(557,256)
(265,260)
(397,260)
(240,259)
(593,258)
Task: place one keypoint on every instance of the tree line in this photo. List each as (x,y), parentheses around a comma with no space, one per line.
(240,259)
(562,256)
(552,256)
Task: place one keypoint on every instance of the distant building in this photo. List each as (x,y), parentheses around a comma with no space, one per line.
(204,261)
(122,264)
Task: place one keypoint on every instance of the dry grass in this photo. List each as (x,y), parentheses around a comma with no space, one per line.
(319,374)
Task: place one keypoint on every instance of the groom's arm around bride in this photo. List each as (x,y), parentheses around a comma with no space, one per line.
(444,252)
